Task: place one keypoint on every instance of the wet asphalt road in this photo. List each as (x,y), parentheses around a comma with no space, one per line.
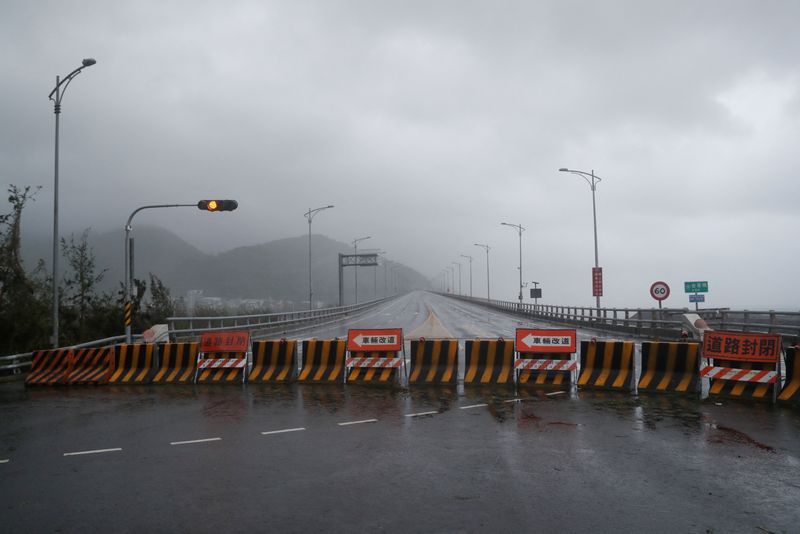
(303,458)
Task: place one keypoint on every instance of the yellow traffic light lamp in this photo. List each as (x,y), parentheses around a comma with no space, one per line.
(217,205)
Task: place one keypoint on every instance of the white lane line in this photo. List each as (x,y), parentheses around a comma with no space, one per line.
(555,393)
(194,441)
(98,451)
(358,422)
(473,406)
(513,400)
(282,431)
(421,414)
(4,461)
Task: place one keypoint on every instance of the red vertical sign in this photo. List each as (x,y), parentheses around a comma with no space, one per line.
(597,281)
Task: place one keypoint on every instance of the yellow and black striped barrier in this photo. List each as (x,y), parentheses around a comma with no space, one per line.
(557,369)
(49,367)
(671,367)
(177,363)
(323,361)
(434,361)
(91,366)
(222,368)
(489,361)
(133,364)
(791,389)
(274,361)
(739,389)
(607,365)
(374,367)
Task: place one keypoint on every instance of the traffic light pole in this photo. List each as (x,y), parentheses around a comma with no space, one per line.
(128,310)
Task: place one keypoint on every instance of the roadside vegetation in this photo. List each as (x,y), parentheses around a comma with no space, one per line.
(85,313)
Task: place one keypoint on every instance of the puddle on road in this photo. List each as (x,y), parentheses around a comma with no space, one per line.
(724,434)
(440,398)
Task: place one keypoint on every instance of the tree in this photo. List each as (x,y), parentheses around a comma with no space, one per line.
(24,321)
(160,306)
(80,284)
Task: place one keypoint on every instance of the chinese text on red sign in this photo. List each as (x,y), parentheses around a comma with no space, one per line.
(742,346)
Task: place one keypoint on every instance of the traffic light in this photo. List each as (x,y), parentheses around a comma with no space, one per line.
(217,205)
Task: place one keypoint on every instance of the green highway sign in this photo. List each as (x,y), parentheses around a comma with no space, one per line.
(695,287)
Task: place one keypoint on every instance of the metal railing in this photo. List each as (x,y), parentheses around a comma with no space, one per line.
(663,323)
(190,328)
(184,328)
(660,323)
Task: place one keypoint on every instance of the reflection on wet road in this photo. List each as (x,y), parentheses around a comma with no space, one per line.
(357,458)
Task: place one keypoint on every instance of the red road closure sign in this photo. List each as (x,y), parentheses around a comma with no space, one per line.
(659,290)
(386,339)
(597,281)
(742,346)
(225,342)
(545,340)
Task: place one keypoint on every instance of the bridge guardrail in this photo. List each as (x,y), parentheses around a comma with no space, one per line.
(186,328)
(633,321)
(652,321)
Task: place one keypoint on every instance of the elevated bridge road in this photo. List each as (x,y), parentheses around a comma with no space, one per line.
(453,319)
(431,316)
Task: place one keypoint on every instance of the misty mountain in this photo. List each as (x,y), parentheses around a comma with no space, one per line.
(276,270)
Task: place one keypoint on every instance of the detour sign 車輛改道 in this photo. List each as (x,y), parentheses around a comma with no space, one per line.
(742,346)
(545,340)
(370,339)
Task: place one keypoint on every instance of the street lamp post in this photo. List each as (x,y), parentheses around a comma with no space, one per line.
(385,277)
(375,271)
(592,180)
(470,273)
(310,216)
(356,241)
(56,95)
(459,278)
(519,229)
(486,248)
(452,271)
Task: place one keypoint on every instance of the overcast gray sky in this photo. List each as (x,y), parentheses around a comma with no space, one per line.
(427,124)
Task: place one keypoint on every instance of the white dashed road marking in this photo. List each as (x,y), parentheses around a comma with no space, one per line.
(473,406)
(421,414)
(358,422)
(194,441)
(98,451)
(282,431)
(555,393)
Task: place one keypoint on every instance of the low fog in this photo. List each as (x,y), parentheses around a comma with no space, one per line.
(427,125)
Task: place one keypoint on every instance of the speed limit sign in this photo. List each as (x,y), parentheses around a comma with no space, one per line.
(659,291)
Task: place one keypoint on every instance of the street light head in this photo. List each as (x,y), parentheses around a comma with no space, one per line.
(88,62)
(563,169)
